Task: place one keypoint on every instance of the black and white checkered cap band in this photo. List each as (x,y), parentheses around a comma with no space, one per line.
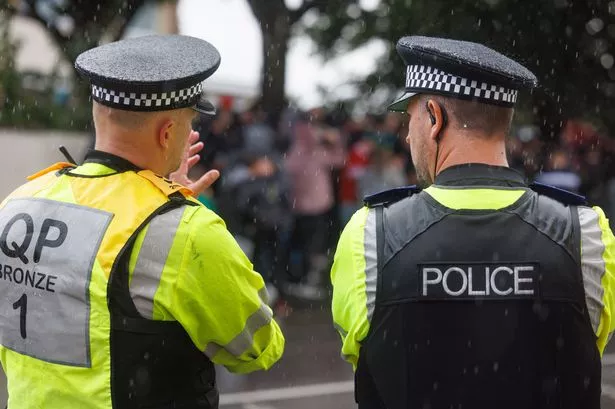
(423,77)
(147,101)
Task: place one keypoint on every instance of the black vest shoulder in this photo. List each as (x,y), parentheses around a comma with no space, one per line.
(563,196)
(154,363)
(390,196)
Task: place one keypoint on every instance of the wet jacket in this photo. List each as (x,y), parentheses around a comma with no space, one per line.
(119,290)
(476,292)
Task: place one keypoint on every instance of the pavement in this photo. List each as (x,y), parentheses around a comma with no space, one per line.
(310,375)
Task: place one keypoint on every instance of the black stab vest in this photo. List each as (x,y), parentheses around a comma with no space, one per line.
(478,309)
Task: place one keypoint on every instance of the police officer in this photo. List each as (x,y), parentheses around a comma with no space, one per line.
(480,291)
(117,288)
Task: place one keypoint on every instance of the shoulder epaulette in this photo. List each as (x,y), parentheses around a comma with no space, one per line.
(390,196)
(560,195)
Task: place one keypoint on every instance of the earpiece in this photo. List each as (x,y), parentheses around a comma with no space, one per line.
(432,118)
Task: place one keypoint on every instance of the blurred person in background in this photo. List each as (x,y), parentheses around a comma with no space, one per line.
(257,134)
(386,167)
(222,137)
(559,172)
(316,150)
(264,207)
(356,164)
(385,171)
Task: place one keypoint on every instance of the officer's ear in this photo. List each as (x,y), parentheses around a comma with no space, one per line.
(437,117)
(165,132)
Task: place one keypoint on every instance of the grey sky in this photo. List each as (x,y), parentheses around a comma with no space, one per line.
(231,27)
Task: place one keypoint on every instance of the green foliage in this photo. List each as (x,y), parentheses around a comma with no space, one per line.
(9,79)
(45,107)
(567,43)
(25,108)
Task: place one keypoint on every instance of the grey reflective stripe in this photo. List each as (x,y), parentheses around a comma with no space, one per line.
(592,263)
(244,340)
(346,357)
(340,329)
(263,294)
(212,349)
(371,262)
(152,259)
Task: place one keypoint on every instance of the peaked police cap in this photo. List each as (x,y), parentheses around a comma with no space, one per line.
(151,73)
(460,69)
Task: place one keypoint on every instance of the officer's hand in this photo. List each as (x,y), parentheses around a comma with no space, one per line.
(191,158)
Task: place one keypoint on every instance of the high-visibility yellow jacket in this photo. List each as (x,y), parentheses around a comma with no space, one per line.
(118,289)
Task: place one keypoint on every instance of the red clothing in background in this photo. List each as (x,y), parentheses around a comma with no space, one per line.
(356,164)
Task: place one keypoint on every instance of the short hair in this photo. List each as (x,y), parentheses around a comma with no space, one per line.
(129,120)
(476,116)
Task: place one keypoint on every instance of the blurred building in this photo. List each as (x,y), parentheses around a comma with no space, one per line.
(154,17)
(40,61)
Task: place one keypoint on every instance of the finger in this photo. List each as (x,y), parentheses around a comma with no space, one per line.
(195,148)
(205,181)
(193,160)
(194,136)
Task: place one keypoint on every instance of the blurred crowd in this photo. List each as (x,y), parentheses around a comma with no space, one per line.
(289,186)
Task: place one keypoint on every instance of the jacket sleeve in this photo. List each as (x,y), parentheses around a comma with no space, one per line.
(220,300)
(354,282)
(598,267)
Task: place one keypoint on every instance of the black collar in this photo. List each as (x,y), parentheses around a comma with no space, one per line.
(111,161)
(478,174)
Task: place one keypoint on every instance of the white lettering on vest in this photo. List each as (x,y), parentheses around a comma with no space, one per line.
(471,281)
(494,276)
(427,281)
(464,280)
(519,280)
(472,291)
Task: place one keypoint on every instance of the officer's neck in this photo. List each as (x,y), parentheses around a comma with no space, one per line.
(460,148)
(137,154)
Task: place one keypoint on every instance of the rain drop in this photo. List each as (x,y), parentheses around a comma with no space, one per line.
(607,60)
(594,26)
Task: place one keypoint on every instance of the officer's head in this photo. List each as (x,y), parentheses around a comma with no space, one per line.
(459,97)
(438,125)
(147,91)
(152,139)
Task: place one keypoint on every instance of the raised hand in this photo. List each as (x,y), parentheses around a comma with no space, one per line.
(191,158)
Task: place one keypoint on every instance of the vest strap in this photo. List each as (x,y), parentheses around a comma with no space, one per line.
(56,166)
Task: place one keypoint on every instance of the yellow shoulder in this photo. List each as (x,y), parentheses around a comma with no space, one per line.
(166,186)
